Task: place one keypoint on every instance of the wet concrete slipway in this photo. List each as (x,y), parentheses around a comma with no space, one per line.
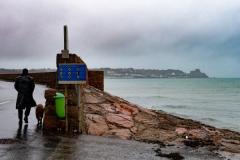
(28,142)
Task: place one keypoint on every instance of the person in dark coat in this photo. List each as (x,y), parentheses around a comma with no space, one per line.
(24,84)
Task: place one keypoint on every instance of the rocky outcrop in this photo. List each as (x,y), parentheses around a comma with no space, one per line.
(108,116)
(197,74)
(112,116)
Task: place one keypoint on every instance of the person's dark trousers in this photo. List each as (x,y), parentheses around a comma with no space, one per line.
(20,114)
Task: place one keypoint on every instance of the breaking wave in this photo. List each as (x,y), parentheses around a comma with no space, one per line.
(209,119)
(176,106)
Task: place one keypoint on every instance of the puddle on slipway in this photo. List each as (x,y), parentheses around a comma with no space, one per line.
(22,141)
(8,112)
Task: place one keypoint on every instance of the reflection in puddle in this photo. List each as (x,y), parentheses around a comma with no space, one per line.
(22,134)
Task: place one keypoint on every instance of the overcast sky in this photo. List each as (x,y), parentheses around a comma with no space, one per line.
(157,34)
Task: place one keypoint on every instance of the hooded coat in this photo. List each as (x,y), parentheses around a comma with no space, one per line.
(24,84)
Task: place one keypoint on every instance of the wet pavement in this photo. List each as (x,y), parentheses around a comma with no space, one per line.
(42,147)
(28,142)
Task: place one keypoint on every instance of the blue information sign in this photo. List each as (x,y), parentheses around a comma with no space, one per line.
(72,73)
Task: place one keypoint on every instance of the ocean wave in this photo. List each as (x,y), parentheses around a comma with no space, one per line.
(148,97)
(176,106)
(209,119)
(157,97)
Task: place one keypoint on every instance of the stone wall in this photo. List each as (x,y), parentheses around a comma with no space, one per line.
(95,78)
(74,110)
(49,78)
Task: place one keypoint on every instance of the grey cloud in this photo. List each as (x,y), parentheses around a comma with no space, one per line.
(162,34)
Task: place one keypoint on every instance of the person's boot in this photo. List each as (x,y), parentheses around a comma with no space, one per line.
(25,119)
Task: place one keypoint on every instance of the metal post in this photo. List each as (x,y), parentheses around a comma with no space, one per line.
(66,108)
(78,105)
(81,126)
(65,30)
(65,51)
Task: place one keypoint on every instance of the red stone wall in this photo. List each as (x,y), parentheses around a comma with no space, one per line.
(95,78)
(48,78)
(73,58)
(8,77)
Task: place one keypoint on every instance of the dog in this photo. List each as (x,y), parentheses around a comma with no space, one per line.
(39,114)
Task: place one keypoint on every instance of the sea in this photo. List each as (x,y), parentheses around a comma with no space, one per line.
(213,101)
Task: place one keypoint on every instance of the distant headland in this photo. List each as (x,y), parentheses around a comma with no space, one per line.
(129,73)
(150,73)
